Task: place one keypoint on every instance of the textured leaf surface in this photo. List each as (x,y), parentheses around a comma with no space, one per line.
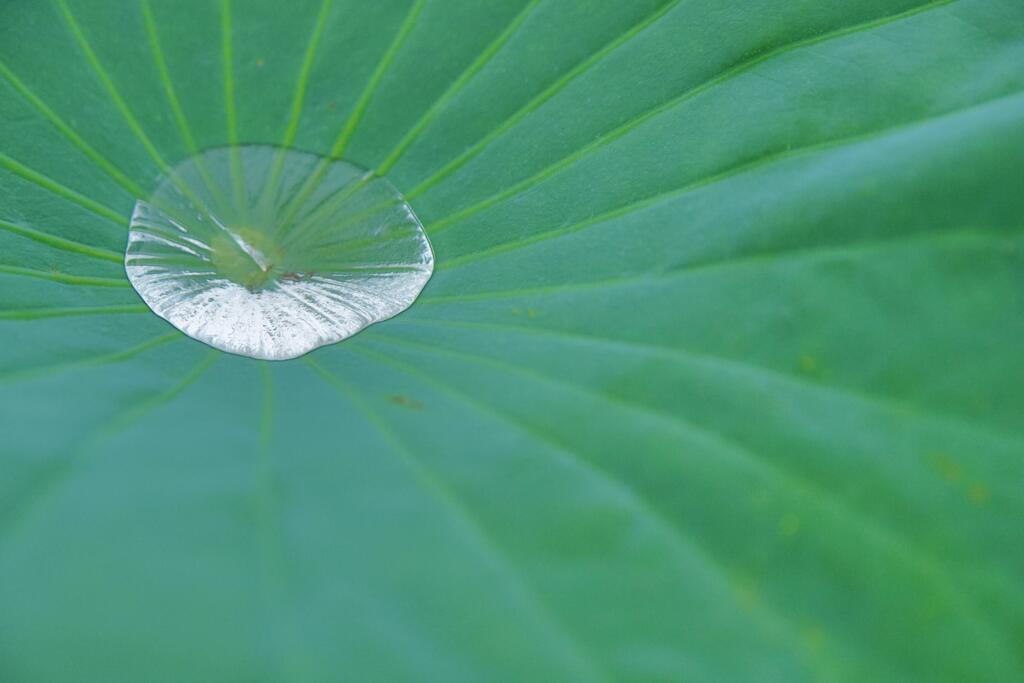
(718,378)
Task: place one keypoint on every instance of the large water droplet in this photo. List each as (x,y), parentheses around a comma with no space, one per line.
(271,253)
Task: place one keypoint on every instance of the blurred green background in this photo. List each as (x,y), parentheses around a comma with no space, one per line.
(719,377)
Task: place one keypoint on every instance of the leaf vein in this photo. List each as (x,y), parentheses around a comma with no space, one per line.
(474,528)
(633,123)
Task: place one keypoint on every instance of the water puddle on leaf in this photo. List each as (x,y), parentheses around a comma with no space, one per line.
(271,253)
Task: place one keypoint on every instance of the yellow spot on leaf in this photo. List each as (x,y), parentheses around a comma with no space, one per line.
(813,637)
(747,592)
(808,364)
(949,469)
(406,402)
(978,493)
(789,525)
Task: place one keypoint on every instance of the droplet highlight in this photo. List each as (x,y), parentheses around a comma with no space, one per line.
(271,253)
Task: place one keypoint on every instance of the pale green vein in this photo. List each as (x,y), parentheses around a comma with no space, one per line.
(122,106)
(273,560)
(888,404)
(91,361)
(298,101)
(227,63)
(61,243)
(349,128)
(687,547)
(69,312)
(459,83)
(184,129)
(635,122)
(653,276)
(375,79)
(947,239)
(467,519)
(165,78)
(417,129)
(68,132)
(142,409)
(61,191)
(756,164)
(230,113)
(287,232)
(108,84)
(54,474)
(899,546)
(540,99)
(728,174)
(302,83)
(266,430)
(63,278)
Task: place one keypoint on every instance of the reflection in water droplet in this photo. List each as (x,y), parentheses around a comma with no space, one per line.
(271,253)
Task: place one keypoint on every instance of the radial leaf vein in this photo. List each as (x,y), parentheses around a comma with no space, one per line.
(91,361)
(165,78)
(184,129)
(108,85)
(890,404)
(271,538)
(723,176)
(230,111)
(140,411)
(68,132)
(759,258)
(540,99)
(56,188)
(469,521)
(298,100)
(302,82)
(16,511)
(888,539)
(63,278)
(61,243)
(348,129)
(633,123)
(492,49)
(267,408)
(688,547)
(69,312)
(375,79)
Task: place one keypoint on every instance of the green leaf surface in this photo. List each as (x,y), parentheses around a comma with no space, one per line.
(719,377)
